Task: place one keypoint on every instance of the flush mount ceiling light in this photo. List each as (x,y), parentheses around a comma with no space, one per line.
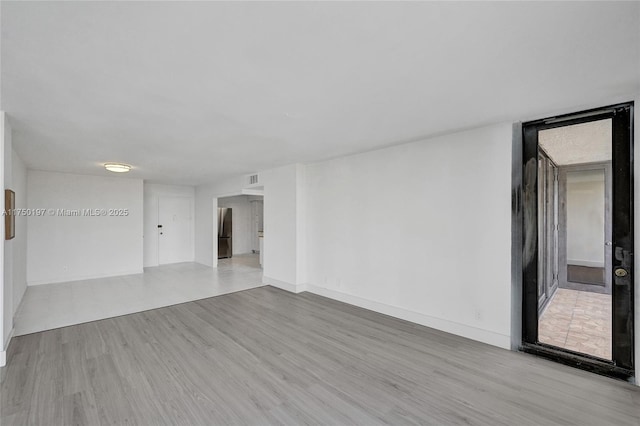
(117,167)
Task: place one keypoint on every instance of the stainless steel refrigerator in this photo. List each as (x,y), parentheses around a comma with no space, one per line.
(225,240)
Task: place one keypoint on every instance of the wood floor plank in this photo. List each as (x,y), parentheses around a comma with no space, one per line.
(265,356)
(109,390)
(80,409)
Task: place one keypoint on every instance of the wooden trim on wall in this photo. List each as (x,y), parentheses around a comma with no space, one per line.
(9,217)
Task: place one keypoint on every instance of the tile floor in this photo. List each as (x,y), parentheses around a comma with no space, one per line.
(49,306)
(579,321)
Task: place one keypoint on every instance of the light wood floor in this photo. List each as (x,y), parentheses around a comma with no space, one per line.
(265,356)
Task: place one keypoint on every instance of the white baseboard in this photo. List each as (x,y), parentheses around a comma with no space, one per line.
(82,278)
(473,333)
(3,354)
(293,288)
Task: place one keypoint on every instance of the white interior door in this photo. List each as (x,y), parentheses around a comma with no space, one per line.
(174,230)
(256,223)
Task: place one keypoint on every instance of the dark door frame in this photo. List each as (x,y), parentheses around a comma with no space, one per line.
(622,364)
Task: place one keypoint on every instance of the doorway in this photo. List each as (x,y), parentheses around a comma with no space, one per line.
(578,239)
(239,229)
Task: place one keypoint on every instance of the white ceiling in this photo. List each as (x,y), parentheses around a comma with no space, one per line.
(190,92)
(579,143)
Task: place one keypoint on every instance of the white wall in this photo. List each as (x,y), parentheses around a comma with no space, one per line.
(6,295)
(152,193)
(420,231)
(242,226)
(73,248)
(19,186)
(585,218)
(283,264)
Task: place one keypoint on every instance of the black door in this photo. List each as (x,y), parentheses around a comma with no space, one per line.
(539,253)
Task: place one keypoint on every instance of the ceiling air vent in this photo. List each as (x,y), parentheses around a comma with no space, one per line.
(253,179)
